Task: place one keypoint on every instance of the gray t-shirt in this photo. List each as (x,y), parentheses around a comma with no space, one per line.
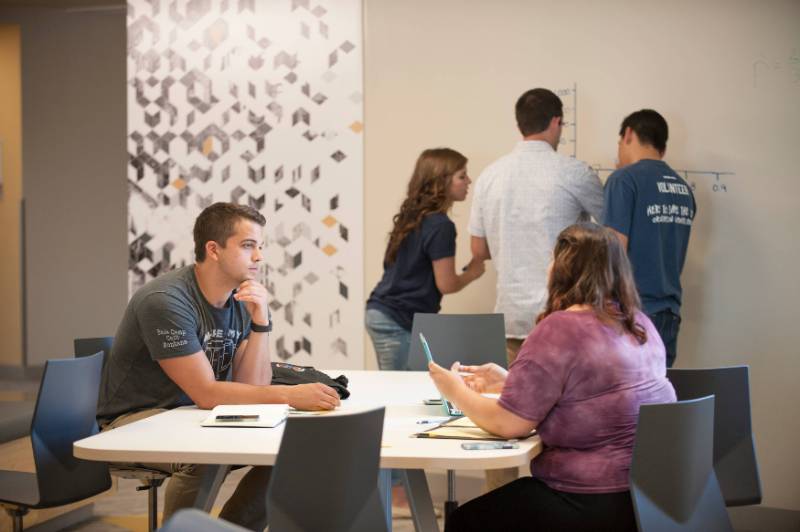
(168,317)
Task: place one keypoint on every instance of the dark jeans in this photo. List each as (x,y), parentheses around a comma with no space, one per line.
(668,324)
(529,504)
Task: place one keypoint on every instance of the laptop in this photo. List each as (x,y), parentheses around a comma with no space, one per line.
(451,410)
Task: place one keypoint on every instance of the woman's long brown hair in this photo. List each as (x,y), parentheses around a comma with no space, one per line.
(427,193)
(590,267)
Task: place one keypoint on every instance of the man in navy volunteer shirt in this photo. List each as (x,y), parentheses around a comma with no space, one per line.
(651,209)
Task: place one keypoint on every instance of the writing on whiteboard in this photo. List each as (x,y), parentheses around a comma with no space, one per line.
(771,70)
(718,178)
(568,145)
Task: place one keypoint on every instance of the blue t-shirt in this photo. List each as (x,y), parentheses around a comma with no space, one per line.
(408,284)
(650,204)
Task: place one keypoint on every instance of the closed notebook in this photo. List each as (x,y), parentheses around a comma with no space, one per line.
(461,428)
(246,416)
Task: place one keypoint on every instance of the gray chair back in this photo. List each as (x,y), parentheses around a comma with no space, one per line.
(735,461)
(89,346)
(326,475)
(673,485)
(467,338)
(65,412)
(192,520)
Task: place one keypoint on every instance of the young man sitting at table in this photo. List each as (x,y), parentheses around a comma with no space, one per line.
(580,377)
(199,335)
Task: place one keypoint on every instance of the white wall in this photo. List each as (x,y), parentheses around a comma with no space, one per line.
(449,72)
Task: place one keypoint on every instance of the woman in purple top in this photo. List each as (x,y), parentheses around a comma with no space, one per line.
(580,377)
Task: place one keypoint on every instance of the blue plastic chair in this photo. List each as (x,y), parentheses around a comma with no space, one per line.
(151,479)
(65,412)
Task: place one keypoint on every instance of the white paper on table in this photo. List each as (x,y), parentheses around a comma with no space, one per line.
(247,416)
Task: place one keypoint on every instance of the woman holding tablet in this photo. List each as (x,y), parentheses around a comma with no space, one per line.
(580,377)
(419,263)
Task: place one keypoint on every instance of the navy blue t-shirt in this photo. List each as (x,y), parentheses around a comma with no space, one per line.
(654,207)
(408,285)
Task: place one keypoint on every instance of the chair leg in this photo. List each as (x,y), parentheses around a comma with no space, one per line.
(16,513)
(152,509)
(152,503)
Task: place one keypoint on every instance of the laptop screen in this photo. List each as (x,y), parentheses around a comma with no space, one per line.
(448,406)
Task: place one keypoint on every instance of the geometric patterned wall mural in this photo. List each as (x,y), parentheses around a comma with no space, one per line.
(256,102)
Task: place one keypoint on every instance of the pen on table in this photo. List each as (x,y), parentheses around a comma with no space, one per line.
(426,421)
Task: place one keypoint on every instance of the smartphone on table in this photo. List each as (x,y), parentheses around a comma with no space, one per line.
(237,417)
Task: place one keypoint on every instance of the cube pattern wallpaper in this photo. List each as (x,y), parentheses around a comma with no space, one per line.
(257,102)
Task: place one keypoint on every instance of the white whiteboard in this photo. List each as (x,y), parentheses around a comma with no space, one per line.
(725,74)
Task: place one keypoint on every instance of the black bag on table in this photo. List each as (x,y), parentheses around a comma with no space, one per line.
(290,374)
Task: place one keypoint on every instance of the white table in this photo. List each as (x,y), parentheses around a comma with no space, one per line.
(177,437)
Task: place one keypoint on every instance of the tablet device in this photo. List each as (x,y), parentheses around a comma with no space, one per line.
(448,406)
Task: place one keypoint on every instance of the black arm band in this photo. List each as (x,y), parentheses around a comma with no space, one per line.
(260,328)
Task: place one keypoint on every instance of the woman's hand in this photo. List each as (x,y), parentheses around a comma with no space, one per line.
(447,382)
(486,412)
(487,378)
(474,269)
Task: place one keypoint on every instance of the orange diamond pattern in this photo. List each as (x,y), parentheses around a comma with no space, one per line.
(208,145)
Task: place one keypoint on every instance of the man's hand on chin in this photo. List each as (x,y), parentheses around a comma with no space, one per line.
(254,296)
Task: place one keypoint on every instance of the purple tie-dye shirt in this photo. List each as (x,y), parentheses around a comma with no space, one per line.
(582,382)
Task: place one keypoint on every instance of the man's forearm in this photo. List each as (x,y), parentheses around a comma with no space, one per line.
(480,248)
(238,393)
(254,366)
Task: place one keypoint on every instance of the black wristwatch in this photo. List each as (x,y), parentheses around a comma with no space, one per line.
(255,327)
